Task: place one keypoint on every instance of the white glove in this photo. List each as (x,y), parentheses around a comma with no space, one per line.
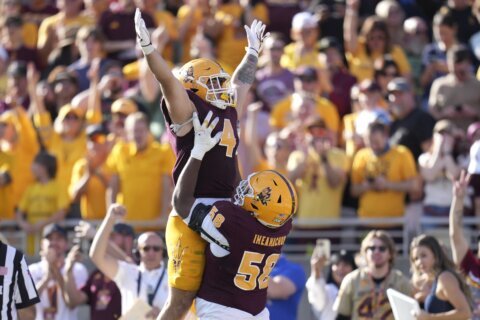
(143,36)
(255,37)
(204,141)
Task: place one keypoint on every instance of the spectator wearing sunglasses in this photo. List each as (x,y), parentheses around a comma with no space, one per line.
(147,281)
(120,110)
(362,293)
(89,178)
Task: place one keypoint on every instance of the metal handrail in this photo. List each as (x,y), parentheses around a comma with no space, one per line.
(309,229)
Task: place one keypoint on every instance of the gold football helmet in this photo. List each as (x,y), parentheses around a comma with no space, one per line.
(269,195)
(209,81)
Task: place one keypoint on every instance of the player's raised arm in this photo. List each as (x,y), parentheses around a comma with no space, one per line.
(183,194)
(178,104)
(196,215)
(244,74)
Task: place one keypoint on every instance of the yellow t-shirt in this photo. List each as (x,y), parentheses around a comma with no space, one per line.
(67,152)
(141,176)
(395,165)
(40,201)
(361,64)
(281,115)
(6,192)
(22,154)
(196,20)
(292,60)
(29,34)
(316,198)
(59,21)
(232,41)
(92,202)
(264,165)
(166,19)
(348,133)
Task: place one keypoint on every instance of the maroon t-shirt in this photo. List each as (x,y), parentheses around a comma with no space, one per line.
(24,54)
(217,176)
(103,297)
(240,279)
(118,26)
(470,266)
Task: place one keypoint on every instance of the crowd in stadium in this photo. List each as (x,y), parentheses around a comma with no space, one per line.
(370,108)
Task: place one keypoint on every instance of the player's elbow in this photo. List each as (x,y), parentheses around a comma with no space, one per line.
(181,205)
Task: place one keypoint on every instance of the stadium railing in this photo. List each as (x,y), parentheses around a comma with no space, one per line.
(344,233)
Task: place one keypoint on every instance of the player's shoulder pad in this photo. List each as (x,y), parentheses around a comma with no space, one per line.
(198,214)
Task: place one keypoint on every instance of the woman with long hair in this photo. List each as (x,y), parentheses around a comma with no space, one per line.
(449,297)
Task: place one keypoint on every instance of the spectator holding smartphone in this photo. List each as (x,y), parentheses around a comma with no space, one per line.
(323,290)
(49,275)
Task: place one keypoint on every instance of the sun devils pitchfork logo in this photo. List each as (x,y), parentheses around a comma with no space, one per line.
(264,196)
(189,77)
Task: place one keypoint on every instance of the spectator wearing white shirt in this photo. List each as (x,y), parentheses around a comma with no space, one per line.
(147,281)
(49,273)
(322,291)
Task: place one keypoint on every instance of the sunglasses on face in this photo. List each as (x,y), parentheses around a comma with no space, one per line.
(379,248)
(154,248)
(276,48)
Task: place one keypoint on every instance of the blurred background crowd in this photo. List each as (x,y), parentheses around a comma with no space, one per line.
(370,107)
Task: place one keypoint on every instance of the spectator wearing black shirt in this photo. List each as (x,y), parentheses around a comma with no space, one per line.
(413,127)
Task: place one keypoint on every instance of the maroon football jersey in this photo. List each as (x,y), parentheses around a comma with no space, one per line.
(240,279)
(217,176)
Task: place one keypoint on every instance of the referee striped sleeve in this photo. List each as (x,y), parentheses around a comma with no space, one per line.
(17,287)
(4,279)
(26,293)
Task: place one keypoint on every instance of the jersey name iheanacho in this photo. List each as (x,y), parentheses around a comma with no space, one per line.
(268,241)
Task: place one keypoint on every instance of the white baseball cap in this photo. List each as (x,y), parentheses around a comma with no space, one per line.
(304,20)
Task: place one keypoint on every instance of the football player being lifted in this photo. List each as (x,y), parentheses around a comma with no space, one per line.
(201,86)
(238,263)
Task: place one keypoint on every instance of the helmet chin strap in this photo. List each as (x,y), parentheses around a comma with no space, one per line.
(176,127)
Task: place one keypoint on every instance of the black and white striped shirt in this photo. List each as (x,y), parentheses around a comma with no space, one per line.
(17,289)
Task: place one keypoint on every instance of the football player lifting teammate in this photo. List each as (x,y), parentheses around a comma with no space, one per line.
(201,86)
(238,263)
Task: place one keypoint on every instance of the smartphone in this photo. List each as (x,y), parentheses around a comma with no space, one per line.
(322,248)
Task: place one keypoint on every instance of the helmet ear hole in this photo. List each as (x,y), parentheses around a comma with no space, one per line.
(273,198)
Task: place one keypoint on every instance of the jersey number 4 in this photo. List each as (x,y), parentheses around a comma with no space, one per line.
(228,139)
(248,276)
